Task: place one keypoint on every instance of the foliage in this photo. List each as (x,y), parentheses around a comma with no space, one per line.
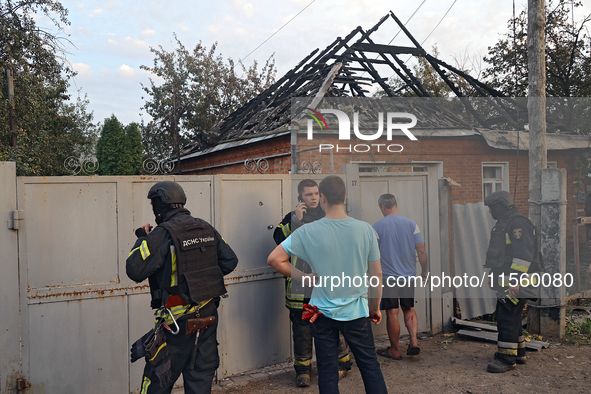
(198,89)
(44,115)
(578,331)
(568,64)
(119,149)
(431,80)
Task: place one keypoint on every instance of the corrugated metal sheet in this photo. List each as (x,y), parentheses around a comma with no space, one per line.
(508,140)
(472,225)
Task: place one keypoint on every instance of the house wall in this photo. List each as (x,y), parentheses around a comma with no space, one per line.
(462,159)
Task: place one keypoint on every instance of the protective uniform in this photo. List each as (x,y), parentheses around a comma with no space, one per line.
(511,256)
(184,259)
(296,296)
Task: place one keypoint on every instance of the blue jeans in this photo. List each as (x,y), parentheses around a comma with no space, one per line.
(359,337)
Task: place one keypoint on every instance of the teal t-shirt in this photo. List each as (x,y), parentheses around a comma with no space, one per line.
(338,252)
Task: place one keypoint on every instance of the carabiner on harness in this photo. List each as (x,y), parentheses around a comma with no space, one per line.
(173,320)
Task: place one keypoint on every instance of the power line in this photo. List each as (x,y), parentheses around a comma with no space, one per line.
(435,28)
(405,23)
(271,36)
(441,20)
(408,20)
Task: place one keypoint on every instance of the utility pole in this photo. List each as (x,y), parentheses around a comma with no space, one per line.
(11,114)
(536,105)
(547,188)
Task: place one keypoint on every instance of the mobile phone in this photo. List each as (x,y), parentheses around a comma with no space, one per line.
(300,199)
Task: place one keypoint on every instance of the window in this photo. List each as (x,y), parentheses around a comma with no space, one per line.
(495,177)
(552,164)
(420,169)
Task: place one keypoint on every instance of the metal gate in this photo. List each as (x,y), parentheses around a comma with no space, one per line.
(69,313)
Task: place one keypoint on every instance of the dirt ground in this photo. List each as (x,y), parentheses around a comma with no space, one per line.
(447,364)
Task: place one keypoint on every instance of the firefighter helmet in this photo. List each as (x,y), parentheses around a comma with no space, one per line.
(169,192)
(502,197)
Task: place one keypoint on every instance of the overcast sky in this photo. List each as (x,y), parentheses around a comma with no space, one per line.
(113,38)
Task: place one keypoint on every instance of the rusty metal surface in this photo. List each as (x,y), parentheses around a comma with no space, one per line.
(508,140)
(88,318)
(10,359)
(472,225)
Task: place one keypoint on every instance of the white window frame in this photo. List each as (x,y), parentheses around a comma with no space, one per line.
(504,180)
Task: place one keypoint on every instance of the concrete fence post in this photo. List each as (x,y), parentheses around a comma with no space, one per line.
(553,247)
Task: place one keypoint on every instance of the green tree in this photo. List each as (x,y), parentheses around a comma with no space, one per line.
(199,89)
(43,114)
(568,64)
(133,149)
(119,149)
(431,80)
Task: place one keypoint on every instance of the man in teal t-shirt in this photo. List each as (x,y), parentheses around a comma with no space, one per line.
(344,256)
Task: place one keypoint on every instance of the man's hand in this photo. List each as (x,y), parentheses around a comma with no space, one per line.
(375,316)
(514,291)
(300,210)
(425,276)
(147,228)
(313,278)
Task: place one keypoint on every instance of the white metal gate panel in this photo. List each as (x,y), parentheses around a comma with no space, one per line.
(79,311)
(417,199)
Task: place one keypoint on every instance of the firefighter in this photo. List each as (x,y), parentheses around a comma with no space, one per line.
(308,210)
(510,256)
(184,258)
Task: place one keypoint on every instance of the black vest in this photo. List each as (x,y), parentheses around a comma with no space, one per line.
(199,276)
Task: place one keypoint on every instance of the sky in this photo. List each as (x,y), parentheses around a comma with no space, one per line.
(111,39)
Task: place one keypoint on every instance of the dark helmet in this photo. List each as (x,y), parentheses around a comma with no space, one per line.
(169,192)
(502,197)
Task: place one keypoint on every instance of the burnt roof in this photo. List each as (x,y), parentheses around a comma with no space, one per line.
(346,69)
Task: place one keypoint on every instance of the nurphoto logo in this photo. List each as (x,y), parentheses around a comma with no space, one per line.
(345,129)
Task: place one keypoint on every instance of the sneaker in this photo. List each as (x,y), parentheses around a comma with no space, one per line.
(343,373)
(499,367)
(521,360)
(303,380)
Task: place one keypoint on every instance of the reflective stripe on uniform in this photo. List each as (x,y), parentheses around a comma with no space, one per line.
(344,359)
(177,311)
(510,352)
(507,239)
(144,249)
(173,276)
(304,363)
(285,229)
(520,265)
(507,345)
(145,384)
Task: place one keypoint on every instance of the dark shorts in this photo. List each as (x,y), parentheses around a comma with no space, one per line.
(395,297)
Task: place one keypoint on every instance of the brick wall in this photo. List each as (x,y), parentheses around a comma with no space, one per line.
(462,161)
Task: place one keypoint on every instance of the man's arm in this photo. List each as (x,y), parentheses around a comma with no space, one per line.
(146,256)
(521,236)
(279,260)
(227,259)
(375,293)
(423,258)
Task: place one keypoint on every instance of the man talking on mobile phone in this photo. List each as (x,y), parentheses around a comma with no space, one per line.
(308,210)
